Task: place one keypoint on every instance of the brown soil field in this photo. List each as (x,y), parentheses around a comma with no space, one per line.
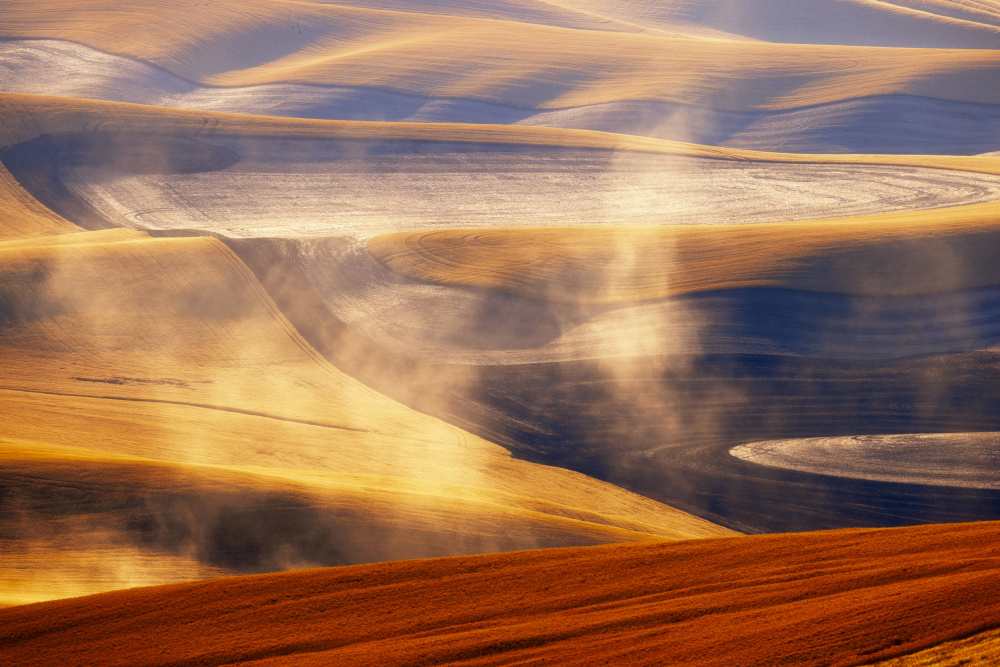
(848,597)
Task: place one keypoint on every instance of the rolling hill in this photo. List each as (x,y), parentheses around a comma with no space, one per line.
(753,75)
(143,373)
(401,332)
(593,347)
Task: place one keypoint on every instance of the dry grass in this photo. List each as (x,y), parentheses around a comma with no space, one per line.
(153,394)
(21,216)
(138,373)
(839,598)
(979,650)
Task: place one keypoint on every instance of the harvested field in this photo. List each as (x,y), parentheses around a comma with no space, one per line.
(947,459)
(874,124)
(477,332)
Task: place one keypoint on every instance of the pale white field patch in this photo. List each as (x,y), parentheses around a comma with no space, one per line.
(298,189)
(969,460)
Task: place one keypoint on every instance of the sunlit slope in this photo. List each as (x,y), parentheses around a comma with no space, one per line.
(541,12)
(875,255)
(181,322)
(169,350)
(517,64)
(648,17)
(27,117)
(441,321)
(896,23)
(206,436)
(646,391)
(277,188)
(688,70)
(979,650)
(79,521)
(560,372)
(898,124)
(22,216)
(841,598)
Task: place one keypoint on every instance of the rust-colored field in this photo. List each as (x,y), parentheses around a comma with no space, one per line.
(847,597)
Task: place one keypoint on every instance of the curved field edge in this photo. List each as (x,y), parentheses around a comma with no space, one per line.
(68,466)
(894,254)
(233,43)
(896,124)
(23,216)
(943,459)
(981,649)
(847,597)
(80,521)
(170,350)
(25,117)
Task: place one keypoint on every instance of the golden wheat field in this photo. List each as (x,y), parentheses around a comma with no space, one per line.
(499,332)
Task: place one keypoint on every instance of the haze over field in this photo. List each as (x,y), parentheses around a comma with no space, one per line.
(287,285)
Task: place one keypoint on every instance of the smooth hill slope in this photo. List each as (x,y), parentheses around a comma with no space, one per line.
(28,116)
(519,11)
(687,70)
(79,521)
(130,363)
(869,255)
(823,329)
(848,597)
(679,344)
(22,216)
(241,176)
(229,43)
(358,188)
(894,23)
(878,124)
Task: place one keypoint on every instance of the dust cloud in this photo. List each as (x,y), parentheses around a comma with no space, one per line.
(647,395)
